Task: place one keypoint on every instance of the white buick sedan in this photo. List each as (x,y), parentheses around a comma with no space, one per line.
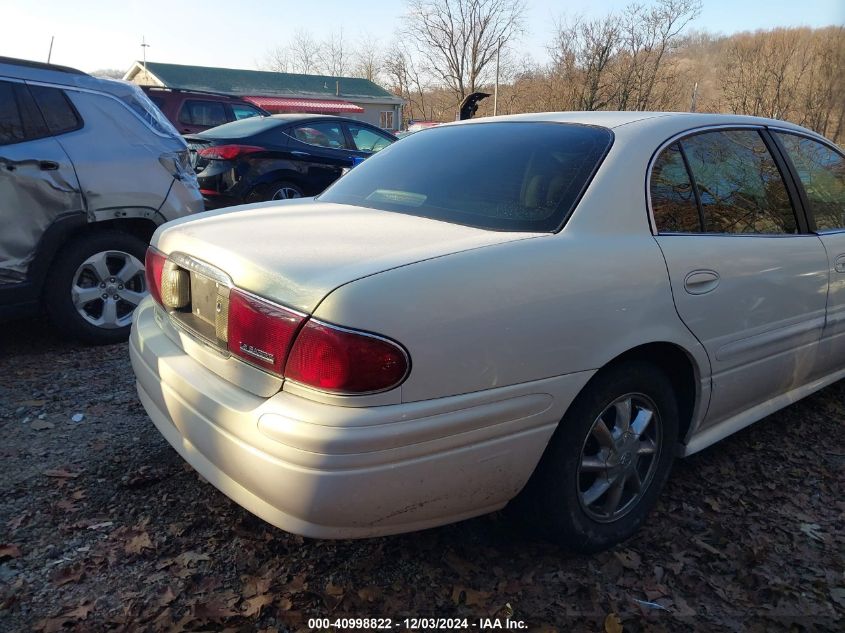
(542,310)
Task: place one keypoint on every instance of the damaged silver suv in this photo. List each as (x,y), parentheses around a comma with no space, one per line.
(89,168)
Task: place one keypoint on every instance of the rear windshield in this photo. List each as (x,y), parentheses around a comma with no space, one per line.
(243,128)
(507,176)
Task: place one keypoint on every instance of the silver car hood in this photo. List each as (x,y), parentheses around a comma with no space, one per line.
(298,251)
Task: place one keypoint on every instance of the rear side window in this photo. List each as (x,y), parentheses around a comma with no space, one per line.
(322,134)
(672,196)
(367,140)
(243,111)
(11,126)
(207,113)
(822,172)
(58,112)
(20,119)
(735,183)
(509,176)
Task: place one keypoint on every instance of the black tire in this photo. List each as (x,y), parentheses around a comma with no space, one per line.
(268,191)
(58,295)
(552,503)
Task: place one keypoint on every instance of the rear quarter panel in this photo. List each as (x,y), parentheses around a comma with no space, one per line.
(116,158)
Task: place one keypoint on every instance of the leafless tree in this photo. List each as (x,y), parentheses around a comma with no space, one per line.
(335,55)
(458,39)
(368,58)
(305,53)
(277,59)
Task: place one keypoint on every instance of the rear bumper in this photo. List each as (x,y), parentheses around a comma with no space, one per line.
(325,471)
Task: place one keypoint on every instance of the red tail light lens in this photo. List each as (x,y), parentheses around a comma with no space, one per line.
(341,361)
(260,332)
(227,152)
(153,267)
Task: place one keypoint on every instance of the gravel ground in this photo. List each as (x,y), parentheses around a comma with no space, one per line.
(105,528)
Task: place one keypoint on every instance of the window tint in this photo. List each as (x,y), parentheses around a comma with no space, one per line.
(672,198)
(368,140)
(208,113)
(514,176)
(739,184)
(822,172)
(11,126)
(20,118)
(324,134)
(243,111)
(58,112)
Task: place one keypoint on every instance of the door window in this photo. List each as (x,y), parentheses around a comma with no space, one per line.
(243,111)
(739,185)
(822,172)
(672,198)
(205,113)
(20,119)
(11,126)
(57,109)
(368,140)
(322,134)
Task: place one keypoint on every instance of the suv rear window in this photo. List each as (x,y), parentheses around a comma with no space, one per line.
(507,176)
(210,113)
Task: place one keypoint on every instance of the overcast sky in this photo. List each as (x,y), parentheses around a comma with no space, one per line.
(92,34)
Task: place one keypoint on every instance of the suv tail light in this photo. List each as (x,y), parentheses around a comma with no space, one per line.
(344,361)
(261,332)
(227,152)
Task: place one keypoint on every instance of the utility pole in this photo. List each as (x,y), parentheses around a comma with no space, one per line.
(50,52)
(144,47)
(496,88)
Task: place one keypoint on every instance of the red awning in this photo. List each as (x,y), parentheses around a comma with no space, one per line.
(317,106)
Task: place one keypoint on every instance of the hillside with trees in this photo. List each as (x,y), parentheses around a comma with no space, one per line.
(645,57)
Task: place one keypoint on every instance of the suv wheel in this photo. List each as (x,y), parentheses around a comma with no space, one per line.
(607,461)
(94,286)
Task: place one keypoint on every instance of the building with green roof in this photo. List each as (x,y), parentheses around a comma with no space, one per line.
(279,92)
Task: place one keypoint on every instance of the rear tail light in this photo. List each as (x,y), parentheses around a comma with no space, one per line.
(153,267)
(261,332)
(227,152)
(168,284)
(343,361)
(284,342)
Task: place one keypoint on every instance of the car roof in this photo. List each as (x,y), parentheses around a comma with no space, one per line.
(640,119)
(26,70)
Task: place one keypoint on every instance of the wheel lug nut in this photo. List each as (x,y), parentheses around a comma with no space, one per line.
(103,285)
(120,287)
(105,296)
(111,279)
(114,297)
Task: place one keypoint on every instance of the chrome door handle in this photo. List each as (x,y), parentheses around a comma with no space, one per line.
(296,152)
(700,282)
(839,264)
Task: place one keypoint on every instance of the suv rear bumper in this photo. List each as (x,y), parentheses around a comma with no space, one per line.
(325,471)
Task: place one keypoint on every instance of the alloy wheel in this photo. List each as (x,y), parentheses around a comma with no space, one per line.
(619,457)
(286,193)
(107,287)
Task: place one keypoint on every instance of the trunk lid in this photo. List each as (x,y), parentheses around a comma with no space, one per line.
(297,252)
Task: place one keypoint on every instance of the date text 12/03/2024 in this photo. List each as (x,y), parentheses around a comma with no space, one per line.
(414,624)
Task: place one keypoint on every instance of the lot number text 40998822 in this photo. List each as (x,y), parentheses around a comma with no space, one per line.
(413,624)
